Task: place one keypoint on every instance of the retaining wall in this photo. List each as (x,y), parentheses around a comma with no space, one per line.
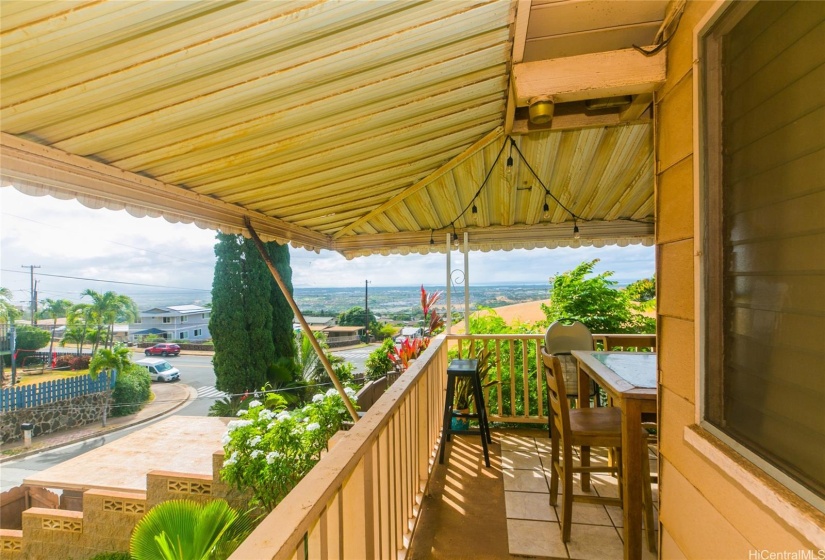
(53,417)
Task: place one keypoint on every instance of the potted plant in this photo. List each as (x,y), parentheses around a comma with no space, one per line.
(463,398)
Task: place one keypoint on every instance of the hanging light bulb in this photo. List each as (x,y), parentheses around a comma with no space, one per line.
(509,168)
(546,210)
(576,234)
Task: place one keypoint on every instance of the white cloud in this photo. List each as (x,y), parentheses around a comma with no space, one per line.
(65,238)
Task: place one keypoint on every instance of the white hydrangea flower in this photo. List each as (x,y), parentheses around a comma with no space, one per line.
(254,441)
(318,398)
(253,404)
(266,414)
(312,427)
(240,412)
(332,392)
(349,391)
(256,453)
(271,456)
(226,439)
(235,424)
(270,425)
(283,415)
(232,459)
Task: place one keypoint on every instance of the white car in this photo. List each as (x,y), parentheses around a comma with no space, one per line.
(160,370)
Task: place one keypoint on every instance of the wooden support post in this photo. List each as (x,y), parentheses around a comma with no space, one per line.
(304,325)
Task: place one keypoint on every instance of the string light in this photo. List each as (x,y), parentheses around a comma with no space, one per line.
(546,209)
(576,234)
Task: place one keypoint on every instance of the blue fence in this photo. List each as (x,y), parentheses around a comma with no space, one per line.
(28,396)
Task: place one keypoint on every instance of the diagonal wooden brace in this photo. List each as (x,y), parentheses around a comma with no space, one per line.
(304,325)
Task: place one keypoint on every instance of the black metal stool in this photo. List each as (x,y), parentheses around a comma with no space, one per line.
(468,369)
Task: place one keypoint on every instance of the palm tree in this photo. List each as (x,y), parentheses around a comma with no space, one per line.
(8,312)
(55,308)
(187,530)
(108,308)
(77,325)
(104,360)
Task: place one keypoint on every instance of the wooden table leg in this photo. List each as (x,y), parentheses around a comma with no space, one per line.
(583,401)
(632,467)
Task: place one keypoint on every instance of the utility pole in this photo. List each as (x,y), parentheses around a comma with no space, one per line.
(33,305)
(367,309)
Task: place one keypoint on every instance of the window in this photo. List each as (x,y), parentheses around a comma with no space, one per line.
(167,320)
(762,187)
(137,320)
(183,319)
(183,335)
(203,315)
(197,332)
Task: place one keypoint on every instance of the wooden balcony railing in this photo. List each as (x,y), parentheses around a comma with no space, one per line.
(363,498)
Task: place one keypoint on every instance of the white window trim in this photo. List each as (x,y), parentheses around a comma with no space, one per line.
(752,474)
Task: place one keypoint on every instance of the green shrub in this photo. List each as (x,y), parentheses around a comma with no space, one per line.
(378,362)
(132,389)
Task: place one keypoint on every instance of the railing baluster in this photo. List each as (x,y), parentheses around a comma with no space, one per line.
(525,377)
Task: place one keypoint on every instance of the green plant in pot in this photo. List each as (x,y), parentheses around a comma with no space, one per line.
(463,399)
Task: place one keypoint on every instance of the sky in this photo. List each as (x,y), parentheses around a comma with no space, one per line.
(111,250)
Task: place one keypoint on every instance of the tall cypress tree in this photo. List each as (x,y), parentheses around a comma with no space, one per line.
(249,315)
(282,334)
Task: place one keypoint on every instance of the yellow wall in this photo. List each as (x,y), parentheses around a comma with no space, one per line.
(704,513)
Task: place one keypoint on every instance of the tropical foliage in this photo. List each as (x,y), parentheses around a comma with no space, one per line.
(8,312)
(378,362)
(104,361)
(432,320)
(268,450)
(594,300)
(249,335)
(354,317)
(187,530)
(105,310)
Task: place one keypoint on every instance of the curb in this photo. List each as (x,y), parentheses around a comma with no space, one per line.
(191,394)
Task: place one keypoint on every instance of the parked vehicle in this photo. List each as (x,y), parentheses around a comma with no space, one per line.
(163,349)
(160,370)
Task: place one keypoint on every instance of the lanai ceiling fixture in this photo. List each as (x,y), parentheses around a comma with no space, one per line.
(358,127)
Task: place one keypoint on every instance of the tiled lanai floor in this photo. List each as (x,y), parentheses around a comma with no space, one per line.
(533,525)
(504,512)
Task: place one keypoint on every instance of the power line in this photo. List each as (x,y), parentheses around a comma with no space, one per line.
(111,281)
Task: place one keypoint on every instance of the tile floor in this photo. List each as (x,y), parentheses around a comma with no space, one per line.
(533,525)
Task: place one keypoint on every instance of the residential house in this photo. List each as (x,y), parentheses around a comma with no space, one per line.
(176,322)
(400,127)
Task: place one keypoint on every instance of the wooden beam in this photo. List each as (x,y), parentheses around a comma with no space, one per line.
(590,76)
(569,121)
(453,163)
(636,109)
(31,164)
(519,41)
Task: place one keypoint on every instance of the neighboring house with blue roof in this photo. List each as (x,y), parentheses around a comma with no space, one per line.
(176,322)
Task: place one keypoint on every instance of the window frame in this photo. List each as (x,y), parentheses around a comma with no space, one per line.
(708,243)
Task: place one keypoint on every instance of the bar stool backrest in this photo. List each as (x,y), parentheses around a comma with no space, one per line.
(560,340)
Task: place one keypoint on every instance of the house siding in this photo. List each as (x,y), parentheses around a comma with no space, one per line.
(704,513)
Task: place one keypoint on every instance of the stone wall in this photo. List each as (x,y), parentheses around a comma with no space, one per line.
(53,417)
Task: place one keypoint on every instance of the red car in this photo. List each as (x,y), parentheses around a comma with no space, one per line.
(163,349)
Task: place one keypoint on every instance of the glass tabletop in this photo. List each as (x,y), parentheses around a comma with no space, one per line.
(638,369)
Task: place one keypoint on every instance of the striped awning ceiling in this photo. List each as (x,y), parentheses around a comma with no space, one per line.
(357,126)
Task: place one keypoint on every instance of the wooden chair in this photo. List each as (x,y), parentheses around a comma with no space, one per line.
(588,427)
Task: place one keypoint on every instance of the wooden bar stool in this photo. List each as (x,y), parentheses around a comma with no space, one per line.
(467,369)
